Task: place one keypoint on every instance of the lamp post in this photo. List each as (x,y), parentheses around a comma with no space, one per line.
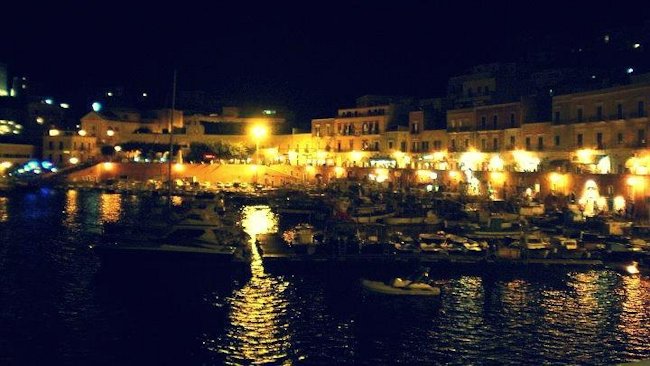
(258,132)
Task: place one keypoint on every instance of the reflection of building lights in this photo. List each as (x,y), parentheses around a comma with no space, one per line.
(74,160)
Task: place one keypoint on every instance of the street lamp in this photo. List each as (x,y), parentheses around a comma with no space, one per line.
(258,132)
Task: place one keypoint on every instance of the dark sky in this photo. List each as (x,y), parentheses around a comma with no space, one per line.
(310,56)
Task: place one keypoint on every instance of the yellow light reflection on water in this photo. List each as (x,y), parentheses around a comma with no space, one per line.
(258,330)
(71,207)
(633,320)
(110,207)
(4,212)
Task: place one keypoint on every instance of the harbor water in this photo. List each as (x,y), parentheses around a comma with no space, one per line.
(58,305)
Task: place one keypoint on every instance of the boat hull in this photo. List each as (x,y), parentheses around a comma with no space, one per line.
(382,288)
(168,256)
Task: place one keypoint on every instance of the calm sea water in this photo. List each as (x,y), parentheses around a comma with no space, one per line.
(57,305)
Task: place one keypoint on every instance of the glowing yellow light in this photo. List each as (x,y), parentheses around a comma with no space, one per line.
(82,132)
(632,268)
(6,164)
(638,165)
(118,148)
(398,154)
(604,165)
(471,159)
(259,131)
(635,181)
(454,174)
(293,155)
(619,203)
(497,177)
(310,169)
(110,133)
(178,167)
(108,165)
(526,161)
(320,154)
(439,155)
(496,164)
(74,160)
(356,155)
(585,156)
(554,178)
(55,132)
(339,171)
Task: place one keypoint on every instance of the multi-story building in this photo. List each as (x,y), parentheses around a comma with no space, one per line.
(68,147)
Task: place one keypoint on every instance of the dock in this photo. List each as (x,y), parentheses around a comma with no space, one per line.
(274,250)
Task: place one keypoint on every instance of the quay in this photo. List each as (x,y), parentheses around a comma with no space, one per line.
(274,251)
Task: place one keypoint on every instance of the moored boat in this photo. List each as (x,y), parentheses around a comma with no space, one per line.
(402,287)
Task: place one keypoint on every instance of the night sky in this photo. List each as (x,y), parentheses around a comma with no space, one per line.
(310,57)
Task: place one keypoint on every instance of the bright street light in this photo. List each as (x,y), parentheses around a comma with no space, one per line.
(258,132)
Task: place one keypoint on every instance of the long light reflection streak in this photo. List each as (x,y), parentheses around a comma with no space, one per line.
(4,212)
(110,207)
(258,318)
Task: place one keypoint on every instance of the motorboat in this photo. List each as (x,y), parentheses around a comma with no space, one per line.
(432,242)
(417,286)
(401,287)
(402,243)
(404,219)
(303,238)
(216,245)
(199,235)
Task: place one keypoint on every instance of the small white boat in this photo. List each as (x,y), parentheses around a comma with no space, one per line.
(401,287)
